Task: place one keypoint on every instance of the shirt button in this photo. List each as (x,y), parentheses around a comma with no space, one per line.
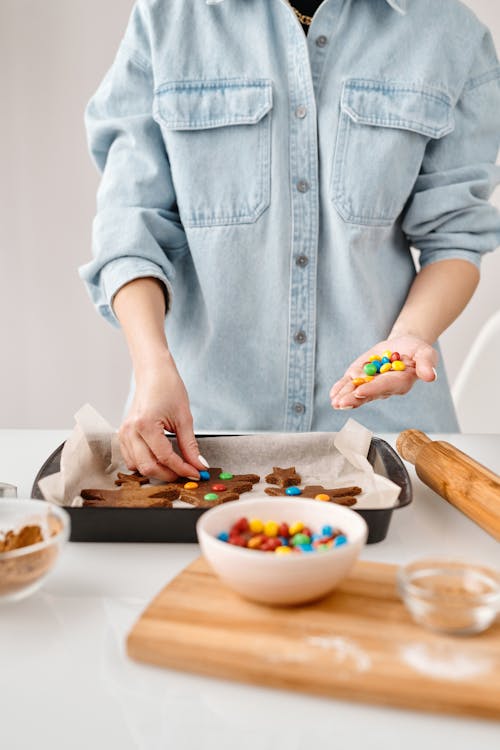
(301,111)
(302,261)
(299,408)
(300,337)
(321,41)
(302,186)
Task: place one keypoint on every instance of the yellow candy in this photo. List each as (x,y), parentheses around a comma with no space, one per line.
(398,365)
(295,528)
(191,485)
(283,550)
(322,496)
(387,354)
(368,378)
(256,525)
(373,358)
(271,528)
(357,381)
(386,367)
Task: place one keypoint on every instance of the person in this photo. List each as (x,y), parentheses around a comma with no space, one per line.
(262,190)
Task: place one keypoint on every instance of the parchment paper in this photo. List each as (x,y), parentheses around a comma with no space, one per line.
(91,459)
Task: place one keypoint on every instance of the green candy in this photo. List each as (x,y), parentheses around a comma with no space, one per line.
(301,539)
(211,496)
(370,369)
(323,547)
(225,475)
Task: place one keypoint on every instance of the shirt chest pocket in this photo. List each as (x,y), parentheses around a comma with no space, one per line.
(383,131)
(218,140)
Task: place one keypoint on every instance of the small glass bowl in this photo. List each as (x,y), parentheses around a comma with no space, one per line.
(450,597)
(23,570)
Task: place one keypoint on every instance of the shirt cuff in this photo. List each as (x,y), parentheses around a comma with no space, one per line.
(121,271)
(428,257)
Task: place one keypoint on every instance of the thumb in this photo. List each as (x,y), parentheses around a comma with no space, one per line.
(188,445)
(426,359)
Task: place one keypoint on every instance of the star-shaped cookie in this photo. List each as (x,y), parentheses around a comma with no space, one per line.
(283,477)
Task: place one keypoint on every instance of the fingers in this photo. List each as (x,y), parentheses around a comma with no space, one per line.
(147,463)
(388,384)
(426,358)
(160,446)
(188,445)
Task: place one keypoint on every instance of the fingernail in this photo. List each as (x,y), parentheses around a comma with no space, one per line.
(435,373)
(345,408)
(194,479)
(357,395)
(203,461)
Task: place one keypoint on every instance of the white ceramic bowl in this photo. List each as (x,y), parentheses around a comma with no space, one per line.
(281,579)
(23,570)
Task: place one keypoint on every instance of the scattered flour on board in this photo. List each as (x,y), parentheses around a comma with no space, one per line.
(345,651)
(443,662)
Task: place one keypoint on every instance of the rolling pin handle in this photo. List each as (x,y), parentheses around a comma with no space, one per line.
(409,444)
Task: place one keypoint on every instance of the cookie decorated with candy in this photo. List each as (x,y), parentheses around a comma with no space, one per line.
(213,488)
(340,495)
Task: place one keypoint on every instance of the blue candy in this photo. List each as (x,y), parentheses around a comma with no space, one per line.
(293,491)
(223,536)
(326,531)
(316,537)
(205,475)
(306,547)
(385,360)
(377,363)
(284,541)
(339,541)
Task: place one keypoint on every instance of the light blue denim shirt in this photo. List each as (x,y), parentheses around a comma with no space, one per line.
(275,182)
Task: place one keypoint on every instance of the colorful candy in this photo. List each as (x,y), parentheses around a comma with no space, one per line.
(379,365)
(205,475)
(293,491)
(219,487)
(281,538)
(225,475)
(191,485)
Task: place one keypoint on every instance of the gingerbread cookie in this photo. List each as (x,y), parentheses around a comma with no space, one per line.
(283,477)
(213,488)
(340,495)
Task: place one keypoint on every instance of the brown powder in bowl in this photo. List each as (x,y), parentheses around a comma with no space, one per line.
(20,571)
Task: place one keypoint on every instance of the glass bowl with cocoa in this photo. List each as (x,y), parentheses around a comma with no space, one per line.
(449,596)
(32,534)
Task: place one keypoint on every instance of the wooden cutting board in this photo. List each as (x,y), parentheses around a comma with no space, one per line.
(359,644)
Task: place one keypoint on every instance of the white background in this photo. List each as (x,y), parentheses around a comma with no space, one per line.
(55,352)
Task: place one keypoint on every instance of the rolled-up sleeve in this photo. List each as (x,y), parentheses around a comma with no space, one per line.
(449,214)
(137,224)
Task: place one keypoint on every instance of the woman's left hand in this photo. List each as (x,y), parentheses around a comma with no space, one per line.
(419,357)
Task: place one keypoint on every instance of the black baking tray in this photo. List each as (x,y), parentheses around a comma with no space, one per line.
(179,524)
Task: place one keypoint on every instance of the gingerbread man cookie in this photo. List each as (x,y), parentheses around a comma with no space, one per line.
(340,495)
(213,488)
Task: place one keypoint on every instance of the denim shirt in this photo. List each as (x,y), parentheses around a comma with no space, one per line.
(275,184)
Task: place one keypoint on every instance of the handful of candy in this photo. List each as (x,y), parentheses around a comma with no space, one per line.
(377,365)
(281,538)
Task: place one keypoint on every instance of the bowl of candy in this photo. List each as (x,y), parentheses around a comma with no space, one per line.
(282,551)
(32,534)
(450,596)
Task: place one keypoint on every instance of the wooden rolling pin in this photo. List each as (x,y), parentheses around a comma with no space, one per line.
(463,482)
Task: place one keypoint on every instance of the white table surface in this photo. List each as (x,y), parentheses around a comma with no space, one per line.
(66,683)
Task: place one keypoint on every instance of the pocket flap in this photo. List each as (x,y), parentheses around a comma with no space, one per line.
(197,105)
(423,109)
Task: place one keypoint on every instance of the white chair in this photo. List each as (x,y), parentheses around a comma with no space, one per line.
(476,391)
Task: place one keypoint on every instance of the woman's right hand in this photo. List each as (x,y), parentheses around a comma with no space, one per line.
(160,403)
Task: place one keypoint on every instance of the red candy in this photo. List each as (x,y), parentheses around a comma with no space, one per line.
(218,487)
(270,544)
(395,357)
(283,530)
(240,526)
(239,541)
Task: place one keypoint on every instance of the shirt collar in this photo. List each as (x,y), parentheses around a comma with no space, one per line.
(399,5)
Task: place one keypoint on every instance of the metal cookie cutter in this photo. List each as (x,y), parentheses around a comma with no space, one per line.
(7,490)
